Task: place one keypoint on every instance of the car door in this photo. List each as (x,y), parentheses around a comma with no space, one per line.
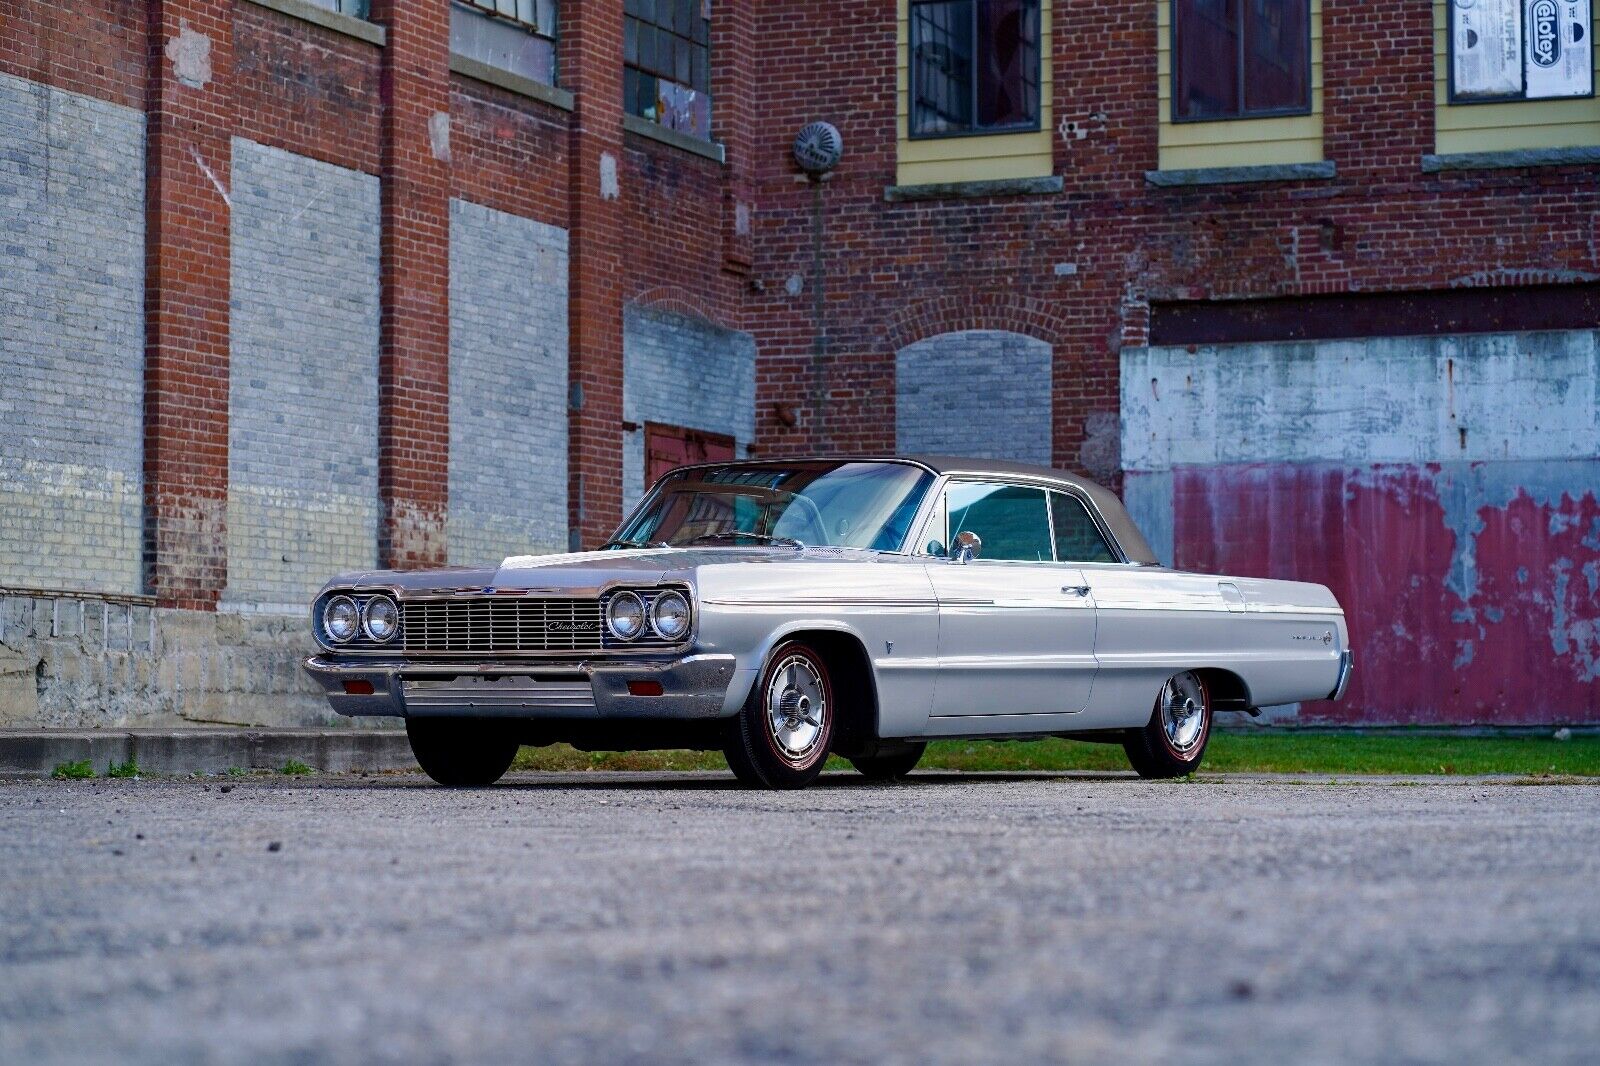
(1016,628)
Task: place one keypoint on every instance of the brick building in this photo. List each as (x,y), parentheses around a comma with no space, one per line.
(294,287)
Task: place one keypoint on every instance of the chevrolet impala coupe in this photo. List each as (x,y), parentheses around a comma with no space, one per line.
(782,610)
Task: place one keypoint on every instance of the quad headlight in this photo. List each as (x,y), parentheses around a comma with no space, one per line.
(380,619)
(625,616)
(669,616)
(341,619)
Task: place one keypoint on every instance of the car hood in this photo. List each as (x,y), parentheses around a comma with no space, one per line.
(575,571)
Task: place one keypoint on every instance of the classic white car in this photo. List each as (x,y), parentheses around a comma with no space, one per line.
(780,610)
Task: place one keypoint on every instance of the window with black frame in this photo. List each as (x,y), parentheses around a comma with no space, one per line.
(974,67)
(666,47)
(1240,59)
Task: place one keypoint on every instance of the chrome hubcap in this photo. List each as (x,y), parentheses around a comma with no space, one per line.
(1183,706)
(797,709)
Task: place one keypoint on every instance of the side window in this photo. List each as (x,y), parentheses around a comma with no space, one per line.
(1240,59)
(974,66)
(1012,520)
(1078,539)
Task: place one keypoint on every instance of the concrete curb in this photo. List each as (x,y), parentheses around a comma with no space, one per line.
(187,751)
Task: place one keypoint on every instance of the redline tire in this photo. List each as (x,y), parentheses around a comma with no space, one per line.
(1174,741)
(780,739)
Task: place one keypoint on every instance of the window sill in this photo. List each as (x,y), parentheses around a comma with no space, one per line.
(968,190)
(348,25)
(1242,175)
(657,132)
(478,70)
(1519,157)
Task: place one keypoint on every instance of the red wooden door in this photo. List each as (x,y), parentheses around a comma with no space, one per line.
(668,446)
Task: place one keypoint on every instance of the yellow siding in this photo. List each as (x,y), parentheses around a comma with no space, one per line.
(983,158)
(1238,142)
(1504,127)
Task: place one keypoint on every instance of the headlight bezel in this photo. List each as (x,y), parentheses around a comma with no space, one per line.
(366,618)
(327,613)
(625,596)
(670,596)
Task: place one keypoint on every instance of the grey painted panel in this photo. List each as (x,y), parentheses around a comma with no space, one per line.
(980,393)
(71,339)
(303,395)
(683,371)
(508,385)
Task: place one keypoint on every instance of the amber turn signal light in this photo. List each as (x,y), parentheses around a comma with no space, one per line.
(644,688)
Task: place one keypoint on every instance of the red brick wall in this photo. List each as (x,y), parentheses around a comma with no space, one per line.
(307,89)
(898,271)
(188,157)
(508,152)
(96,47)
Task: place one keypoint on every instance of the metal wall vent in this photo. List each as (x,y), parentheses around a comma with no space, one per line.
(818,147)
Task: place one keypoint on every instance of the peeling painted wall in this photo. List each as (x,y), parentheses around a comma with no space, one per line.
(1447,489)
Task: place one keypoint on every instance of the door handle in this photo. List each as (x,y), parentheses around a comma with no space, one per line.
(1075,590)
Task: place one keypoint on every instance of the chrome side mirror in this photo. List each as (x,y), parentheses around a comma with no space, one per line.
(966,547)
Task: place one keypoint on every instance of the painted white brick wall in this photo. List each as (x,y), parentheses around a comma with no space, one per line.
(303,399)
(683,371)
(508,385)
(1478,397)
(979,393)
(71,339)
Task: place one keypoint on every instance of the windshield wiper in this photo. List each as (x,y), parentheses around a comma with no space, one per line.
(765,538)
(634,544)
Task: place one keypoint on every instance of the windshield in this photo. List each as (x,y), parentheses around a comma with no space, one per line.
(853,505)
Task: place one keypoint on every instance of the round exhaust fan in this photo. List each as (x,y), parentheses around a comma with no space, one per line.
(817,147)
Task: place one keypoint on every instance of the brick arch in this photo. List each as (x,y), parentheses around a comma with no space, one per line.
(675,301)
(1003,312)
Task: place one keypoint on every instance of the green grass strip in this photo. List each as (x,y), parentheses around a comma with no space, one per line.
(1276,752)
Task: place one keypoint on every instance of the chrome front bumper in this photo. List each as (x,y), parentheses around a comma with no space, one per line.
(693,687)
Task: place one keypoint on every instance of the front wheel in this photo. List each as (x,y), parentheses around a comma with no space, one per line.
(462,752)
(1174,741)
(782,736)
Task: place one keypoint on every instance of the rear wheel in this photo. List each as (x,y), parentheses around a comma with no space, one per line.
(462,752)
(1174,741)
(782,736)
(889,767)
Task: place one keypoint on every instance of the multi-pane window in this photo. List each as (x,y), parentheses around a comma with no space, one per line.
(666,48)
(1520,49)
(514,35)
(974,66)
(1240,58)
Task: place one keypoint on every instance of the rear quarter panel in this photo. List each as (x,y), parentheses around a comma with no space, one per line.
(1282,637)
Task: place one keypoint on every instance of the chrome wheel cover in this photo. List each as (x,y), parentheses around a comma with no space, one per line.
(797,708)
(1184,712)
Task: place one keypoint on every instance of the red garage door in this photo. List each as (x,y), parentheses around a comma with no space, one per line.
(668,446)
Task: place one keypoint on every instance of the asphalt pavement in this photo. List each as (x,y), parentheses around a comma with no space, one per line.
(617,918)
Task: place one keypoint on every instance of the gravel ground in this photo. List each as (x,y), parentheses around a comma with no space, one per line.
(620,918)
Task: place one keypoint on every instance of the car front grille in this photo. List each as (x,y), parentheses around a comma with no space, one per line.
(493,624)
